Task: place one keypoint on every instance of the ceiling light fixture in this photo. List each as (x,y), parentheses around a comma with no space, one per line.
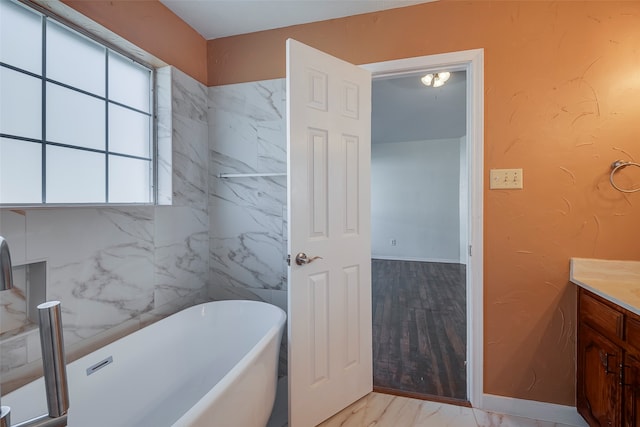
(436,79)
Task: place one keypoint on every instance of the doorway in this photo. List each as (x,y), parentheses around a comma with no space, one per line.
(471,62)
(418,236)
(467,270)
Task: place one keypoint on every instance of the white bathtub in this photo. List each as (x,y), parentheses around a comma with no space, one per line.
(214,364)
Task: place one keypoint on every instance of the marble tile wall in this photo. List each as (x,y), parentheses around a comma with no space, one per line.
(247,232)
(109,265)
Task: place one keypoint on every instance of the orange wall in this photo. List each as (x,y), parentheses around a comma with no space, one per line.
(151,26)
(562,101)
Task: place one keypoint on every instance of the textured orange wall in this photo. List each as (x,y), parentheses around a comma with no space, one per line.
(562,101)
(151,26)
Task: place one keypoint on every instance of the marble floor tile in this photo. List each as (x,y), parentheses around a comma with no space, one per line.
(384,410)
(491,419)
(434,414)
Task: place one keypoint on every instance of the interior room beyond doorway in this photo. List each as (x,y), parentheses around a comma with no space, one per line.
(419,236)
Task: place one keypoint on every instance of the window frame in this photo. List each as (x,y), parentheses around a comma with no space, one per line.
(109,50)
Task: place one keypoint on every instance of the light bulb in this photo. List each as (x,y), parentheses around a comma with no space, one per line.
(427,80)
(444,76)
(437,82)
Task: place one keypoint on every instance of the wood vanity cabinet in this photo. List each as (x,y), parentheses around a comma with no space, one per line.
(608,363)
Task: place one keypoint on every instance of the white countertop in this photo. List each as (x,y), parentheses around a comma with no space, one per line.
(615,281)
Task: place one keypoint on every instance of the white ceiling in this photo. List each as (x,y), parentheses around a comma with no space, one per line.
(405,110)
(222,18)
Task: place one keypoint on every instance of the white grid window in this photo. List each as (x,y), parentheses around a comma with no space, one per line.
(76,117)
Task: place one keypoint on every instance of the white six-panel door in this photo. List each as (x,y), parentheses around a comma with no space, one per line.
(329,156)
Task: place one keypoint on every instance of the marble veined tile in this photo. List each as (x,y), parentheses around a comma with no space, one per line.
(247,260)
(61,234)
(190,97)
(164,128)
(190,143)
(183,139)
(174,224)
(383,410)
(235,137)
(100,264)
(247,204)
(246,123)
(13,303)
(246,246)
(181,252)
(224,287)
(261,194)
(190,162)
(272,146)
(491,419)
(259,101)
(13,353)
(12,228)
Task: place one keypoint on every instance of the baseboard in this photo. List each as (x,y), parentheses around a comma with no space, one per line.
(405,258)
(551,412)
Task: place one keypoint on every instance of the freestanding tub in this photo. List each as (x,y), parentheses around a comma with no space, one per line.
(213,364)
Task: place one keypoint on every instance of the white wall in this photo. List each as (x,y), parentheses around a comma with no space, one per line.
(415,199)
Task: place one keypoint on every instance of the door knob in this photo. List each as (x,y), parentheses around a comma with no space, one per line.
(302,259)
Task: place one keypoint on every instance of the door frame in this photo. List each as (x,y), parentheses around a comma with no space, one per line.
(471,61)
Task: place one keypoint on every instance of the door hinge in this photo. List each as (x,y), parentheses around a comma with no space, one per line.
(470,251)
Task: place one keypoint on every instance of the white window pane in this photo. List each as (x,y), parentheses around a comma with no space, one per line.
(75,176)
(74,118)
(129,83)
(128,132)
(74,60)
(20,37)
(20,171)
(20,104)
(129,180)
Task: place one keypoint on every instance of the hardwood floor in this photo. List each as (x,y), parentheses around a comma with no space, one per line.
(419,328)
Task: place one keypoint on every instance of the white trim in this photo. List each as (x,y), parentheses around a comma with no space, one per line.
(472,61)
(408,258)
(551,412)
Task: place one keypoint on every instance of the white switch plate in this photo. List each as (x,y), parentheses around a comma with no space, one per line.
(505,178)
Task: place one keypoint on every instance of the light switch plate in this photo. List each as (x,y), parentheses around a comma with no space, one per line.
(505,179)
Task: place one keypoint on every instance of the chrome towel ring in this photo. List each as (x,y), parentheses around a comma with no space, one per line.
(616,166)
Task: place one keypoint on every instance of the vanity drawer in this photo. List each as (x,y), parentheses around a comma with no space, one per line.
(601,317)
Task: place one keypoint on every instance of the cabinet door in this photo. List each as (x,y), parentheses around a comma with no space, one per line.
(598,383)
(631,379)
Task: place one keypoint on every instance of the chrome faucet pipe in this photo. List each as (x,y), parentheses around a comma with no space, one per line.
(6,275)
(53,359)
(55,370)
(44,421)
